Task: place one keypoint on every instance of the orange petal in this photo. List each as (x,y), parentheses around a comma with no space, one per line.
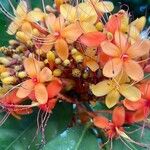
(54,88)
(62,49)
(110,49)
(138,49)
(25,89)
(134,105)
(59,24)
(41,93)
(50,21)
(92,64)
(72,32)
(112,68)
(133,70)
(32,67)
(113,24)
(140,115)
(101,122)
(145,89)
(92,39)
(45,75)
(118,116)
(11,98)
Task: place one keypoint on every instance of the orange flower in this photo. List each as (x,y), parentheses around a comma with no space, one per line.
(114,128)
(53,90)
(10,101)
(123,56)
(60,36)
(36,82)
(142,107)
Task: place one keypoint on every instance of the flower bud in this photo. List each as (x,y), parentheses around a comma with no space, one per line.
(57,72)
(9,80)
(76,73)
(22,74)
(99,26)
(5,74)
(73,51)
(5,61)
(50,56)
(22,37)
(66,62)
(58,61)
(35,32)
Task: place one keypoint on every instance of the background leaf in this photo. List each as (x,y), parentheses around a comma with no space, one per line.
(75,138)
(18,134)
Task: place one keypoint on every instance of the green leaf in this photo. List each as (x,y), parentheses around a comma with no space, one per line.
(75,138)
(18,134)
(135,136)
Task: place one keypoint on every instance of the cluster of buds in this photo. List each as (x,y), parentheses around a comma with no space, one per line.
(85,49)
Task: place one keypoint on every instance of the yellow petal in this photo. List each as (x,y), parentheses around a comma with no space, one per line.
(21,10)
(86,12)
(130,92)
(41,93)
(87,27)
(27,29)
(105,6)
(68,12)
(35,16)
(112,98)
(101,88)
(13,27)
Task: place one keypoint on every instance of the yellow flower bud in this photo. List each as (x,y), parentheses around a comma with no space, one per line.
(20,48)
(22,74)
(13,42)
(85,75)
(4,61)
(73,51)
(50,56)
(9,80)
(76,73)
(79,58)
(99,26)
(58,61)
(5,74)
(46,61)
(2,68)
(22,37)
(110,36)
(57,72)
(66,62)
(35,32)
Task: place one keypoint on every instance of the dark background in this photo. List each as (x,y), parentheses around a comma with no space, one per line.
(136,7)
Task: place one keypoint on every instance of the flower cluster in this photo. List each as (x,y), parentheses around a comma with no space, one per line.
(77,53)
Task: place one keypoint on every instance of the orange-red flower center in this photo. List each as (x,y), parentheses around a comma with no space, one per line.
(125,57)
(57,34)
(35,80)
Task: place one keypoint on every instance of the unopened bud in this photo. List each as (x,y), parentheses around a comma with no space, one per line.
(79,58)
(5,74)
(50,56)
(9,80)
(35,32)
(76,73)
(22,37)
(58,61)
(22,74)
(66,62)
(13,43)
(99,26)
(73,51)
(5,61)
(57,72)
